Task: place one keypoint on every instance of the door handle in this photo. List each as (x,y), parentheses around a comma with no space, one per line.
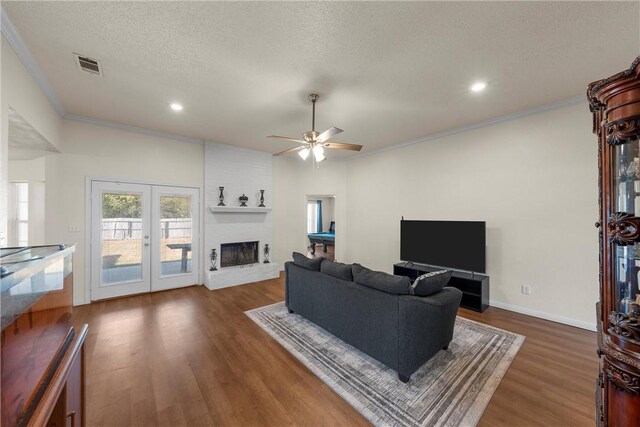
(146,236)
(146,244)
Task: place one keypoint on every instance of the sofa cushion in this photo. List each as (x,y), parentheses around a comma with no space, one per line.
(430,283)
(337,269)
(397,285)
(309,263)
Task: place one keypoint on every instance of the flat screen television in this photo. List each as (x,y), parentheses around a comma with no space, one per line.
(460,245)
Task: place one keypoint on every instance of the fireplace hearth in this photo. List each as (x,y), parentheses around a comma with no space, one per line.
(240,253)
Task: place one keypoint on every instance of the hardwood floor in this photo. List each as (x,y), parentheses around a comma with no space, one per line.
(192,357)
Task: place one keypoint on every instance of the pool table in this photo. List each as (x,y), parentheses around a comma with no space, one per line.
(326,239)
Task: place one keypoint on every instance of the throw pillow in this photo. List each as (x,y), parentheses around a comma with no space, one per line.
(397,285)
(309,263)
(430,283)
(337,269)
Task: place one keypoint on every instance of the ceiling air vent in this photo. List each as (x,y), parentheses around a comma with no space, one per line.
(89,65)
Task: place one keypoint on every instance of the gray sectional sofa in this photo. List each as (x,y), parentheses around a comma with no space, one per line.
(373,311)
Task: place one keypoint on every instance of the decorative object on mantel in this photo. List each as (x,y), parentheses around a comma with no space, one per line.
(213,256)
(315,142)
(261,205)
(221,196)
(243,200)
(266,252)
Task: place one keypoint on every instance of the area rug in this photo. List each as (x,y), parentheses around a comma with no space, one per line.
(451,389)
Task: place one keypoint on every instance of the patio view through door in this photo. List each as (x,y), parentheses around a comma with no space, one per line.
(143,238)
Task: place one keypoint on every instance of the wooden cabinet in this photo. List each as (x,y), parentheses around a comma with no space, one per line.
(615,104)
(63,402)
(74,391)
(42,352)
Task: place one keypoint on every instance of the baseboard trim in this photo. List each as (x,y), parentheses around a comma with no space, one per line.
(543,315)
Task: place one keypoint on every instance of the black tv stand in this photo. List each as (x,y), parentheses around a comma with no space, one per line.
(474,287)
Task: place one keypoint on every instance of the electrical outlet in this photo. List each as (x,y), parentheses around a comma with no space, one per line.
(526,290)
(74,229)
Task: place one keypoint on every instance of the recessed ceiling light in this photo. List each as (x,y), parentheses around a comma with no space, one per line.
(478,86)
(175,106)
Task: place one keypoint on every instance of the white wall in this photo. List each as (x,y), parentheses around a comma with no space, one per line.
(27,170)
(19,91)
(533,180)
(293,181)
(97,151)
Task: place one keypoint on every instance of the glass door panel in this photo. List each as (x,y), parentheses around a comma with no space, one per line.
(626,176)
(176,238)
(120,239)
(176,223)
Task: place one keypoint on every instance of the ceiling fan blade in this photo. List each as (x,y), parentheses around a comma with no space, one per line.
(328,134)
(286,138)
(343,146)
(291,150)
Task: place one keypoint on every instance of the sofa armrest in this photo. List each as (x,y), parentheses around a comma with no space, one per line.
(287,265)
(425,327)
(446,297)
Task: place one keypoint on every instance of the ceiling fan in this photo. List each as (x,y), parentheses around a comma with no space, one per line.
(315,142)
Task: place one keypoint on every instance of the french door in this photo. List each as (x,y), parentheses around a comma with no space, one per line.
(143,238)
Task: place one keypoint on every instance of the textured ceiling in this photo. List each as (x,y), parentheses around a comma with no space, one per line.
(26,143)
(387,73)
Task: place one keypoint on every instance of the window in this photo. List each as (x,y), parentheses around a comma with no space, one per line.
(20,212)
(312,217)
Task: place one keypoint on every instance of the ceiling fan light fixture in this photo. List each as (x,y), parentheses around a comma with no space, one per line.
(318,153)
(304,153)
(313,141)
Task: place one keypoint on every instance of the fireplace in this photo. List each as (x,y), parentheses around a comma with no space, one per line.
(241,253)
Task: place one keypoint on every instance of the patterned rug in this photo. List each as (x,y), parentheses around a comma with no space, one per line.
(451,389)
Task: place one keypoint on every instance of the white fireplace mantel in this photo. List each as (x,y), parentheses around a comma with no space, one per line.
(238,209)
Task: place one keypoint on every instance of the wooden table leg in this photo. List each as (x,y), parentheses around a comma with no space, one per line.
(183,263)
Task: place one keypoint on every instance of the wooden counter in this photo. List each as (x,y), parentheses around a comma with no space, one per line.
(42,354)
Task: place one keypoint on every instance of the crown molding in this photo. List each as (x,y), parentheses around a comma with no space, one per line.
(17,44)
(238,148)
(130,128)
(501,119)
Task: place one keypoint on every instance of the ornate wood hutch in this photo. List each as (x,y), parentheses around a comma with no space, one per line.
(615,104)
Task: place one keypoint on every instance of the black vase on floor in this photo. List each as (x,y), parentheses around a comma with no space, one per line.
(266,253)
(213,256)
